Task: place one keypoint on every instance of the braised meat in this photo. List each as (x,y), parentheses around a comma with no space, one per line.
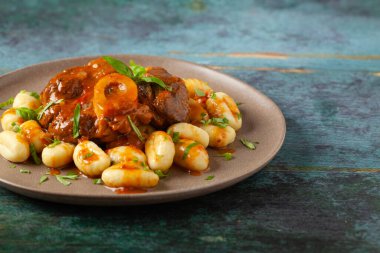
(107,121)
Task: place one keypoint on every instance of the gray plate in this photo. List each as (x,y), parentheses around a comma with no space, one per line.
(263,121)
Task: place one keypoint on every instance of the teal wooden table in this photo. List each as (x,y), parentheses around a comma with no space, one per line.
(319,60)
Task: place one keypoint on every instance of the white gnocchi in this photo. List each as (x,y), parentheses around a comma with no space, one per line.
(14,146)
(191,155)
(9,118)
(35,135)
(25,99)
(128,174)
(195,86)
(126,153)
(219,137)
(58,155)
(159,150)
(197,112)
(90,159)
(220,105)
(189,131)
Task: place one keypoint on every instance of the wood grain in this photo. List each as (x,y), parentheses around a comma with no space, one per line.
(319,60)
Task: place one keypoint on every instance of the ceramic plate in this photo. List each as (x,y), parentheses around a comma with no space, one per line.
(262,122)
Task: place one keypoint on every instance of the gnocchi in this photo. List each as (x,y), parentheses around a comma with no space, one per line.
(191,155)
(159,149)
(223,106)
(195,85)
(35,135)
(90,159)
(58,155)
(26,99)
(14,147)
(126,153)
(189,131)
(129,175)
(9,118)
(219,137)
(197,112)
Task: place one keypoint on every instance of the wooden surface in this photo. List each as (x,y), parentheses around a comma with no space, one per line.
(319,60)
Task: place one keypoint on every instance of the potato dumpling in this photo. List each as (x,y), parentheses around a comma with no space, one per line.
(35,135)
(159,149)
(220,105)
(26,99)
(219,137)
(126,153)
(90,159)
(58,155)
(14,146)
(191,132)
(196,87)
(128,174)
(9,118)
(191,155)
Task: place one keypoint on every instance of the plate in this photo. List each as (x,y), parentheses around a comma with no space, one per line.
(263,121)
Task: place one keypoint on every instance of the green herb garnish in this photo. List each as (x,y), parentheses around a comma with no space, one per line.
(24,171)
(6,103)
(26,113)
(12,166)
(55,143)
(187,150)
(228,156)
(249,144)
(15,127)
(47,106)
(64,179)
(200,93)
(97,181)
(175,137)
(238,103)
(71,173)
(88,155)
(35,95)
(33,152)
(213,95)
(239,115)
(160,174)
(43,179)
(209,178)
(220,122)
(135,72)
(76,121)
(135,129)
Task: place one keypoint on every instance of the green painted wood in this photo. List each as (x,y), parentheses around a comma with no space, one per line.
(319,60)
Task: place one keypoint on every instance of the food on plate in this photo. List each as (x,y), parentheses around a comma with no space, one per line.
(124,125)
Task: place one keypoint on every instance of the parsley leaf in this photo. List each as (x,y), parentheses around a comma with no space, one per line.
(135,129)
(24,171)
(228,156)
(249,144)
(138,70)
(35,95)
(55,143)
(43,179)
(33,152)
(209,178)
(220,122)
(6,103)
(97,181)
(175,137)
(238,103)
(187,150)
(119,66)
(64,179)
(88,155)
(160,174)
(213,95)
(15,127)
(76,121)
(158,81)
(26,113)
(200,93)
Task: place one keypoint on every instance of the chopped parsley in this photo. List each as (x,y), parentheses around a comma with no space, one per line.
(47,107)
(55,143)
(200,93)
(15,127)
(6,103)
(35,95)
(33,152)
(209,178)
(160,174)
(65,179)
(43,179)
(249,144)
(175,137)
(25,171)
(26,113)
(76,121)
(188,148)
(135,129)
(228,156)
(88,155)
(97,181)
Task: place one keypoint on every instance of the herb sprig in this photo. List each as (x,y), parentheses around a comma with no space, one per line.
(135,129)
(249,144)
(6,103)
(76,121)
(135,72)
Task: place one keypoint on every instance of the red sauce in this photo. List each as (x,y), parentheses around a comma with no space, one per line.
(53,171)
(194,173)
(225,150)
(128,190)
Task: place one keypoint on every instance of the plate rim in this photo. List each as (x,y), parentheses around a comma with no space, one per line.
(139,199)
